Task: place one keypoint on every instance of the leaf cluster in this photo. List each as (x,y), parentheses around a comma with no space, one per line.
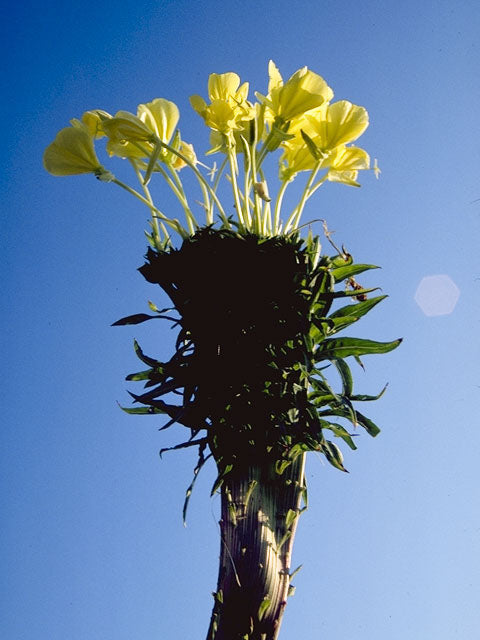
(256,335)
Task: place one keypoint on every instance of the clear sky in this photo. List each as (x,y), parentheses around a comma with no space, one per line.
(92,541)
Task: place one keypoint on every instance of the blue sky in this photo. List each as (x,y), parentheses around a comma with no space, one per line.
(92,542)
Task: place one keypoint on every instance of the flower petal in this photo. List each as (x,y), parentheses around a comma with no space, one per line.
(160,116)
(72,152)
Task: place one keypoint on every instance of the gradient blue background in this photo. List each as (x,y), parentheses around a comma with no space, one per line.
(92,542)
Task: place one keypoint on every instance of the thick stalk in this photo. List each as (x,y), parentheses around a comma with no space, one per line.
(259,513)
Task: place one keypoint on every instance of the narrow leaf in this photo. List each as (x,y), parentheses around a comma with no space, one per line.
(341,273)
(333,455)
(141,375)
(263,607)
(343,347)
(358,310)
(142,411)
(141,356)
(345,375)
(137,318)
(341,432)
(366,398)
(201,461)
(290,518)
(369,426)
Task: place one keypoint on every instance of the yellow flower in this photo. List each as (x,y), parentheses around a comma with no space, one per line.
(93,121)
(224,86)
(344,164)
(160,116)
(244,129)
(72,152)
(295,158)
(134,136)
(228,103)
(188,152)
(338,123)
(303,91)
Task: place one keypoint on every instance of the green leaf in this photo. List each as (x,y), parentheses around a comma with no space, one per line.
(341,432)
(341,260)
(369,426)
(295,571)
(345,375)
(137,318)
(142,411)
(353,293)
(312,147)
(141,375)
(290,518)
(263,607)
(281,465)
(341,273)
(342,323)
(367,398)
(154,308)
(332,348)
(202,459)
(219,481)
(141,356)
(358,310)
(333,455)
(183,445)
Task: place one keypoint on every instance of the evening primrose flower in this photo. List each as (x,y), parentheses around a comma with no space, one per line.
(339,123)
(135,135)
(93,121)
(188,152)
(73,152)
(303,91)
(344,164)
(228,103)
(295,158)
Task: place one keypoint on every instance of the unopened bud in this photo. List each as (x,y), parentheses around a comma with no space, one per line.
(261,190)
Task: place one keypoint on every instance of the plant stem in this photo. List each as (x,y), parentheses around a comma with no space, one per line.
(236,195)
(278,207)
(156,213)
(256,545)
(201,179)
(294,218)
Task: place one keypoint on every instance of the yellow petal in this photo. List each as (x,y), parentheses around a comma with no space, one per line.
(349,158)
(345,177)
(93,121)
(275,79)
(297,158)
(198,103)
(303,91)
(129,149)
(188,151)
(125,126)
(222,86)
(340,123)
(161,117)
(220,116)
(72,152)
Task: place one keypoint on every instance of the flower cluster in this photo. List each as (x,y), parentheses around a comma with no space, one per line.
(296,117)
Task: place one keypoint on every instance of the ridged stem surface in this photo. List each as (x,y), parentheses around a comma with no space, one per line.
(259,514)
